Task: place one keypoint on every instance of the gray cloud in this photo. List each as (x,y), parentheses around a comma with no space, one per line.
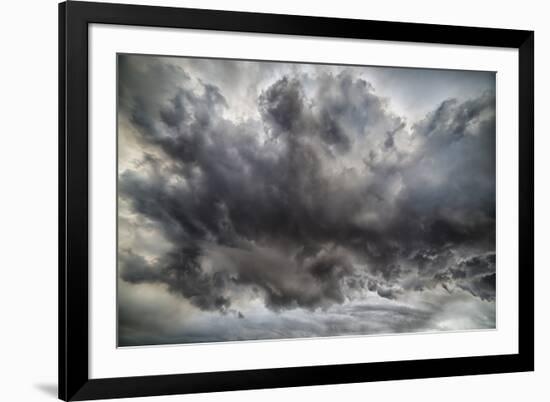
(321,197)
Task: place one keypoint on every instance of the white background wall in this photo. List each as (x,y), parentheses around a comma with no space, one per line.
(28,199)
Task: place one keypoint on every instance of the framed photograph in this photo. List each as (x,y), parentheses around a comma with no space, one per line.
(257,201)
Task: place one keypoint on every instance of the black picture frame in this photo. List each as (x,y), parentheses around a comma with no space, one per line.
(74,381)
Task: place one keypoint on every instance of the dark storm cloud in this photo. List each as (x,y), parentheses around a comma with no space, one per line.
(326,195)
(183,274)
(477,275)
(287,283)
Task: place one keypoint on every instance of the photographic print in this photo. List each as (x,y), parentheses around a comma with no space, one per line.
(265,200)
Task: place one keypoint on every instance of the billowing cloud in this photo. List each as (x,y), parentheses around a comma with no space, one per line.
(301,193)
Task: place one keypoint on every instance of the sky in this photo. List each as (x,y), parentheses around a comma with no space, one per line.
(274,200)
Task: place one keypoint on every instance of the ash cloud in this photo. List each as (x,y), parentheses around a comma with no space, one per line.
(320,197)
